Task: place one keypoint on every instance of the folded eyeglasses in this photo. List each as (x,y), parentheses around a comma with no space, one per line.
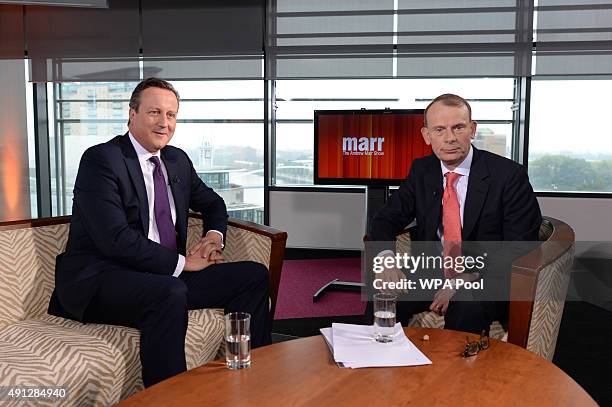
(472,347)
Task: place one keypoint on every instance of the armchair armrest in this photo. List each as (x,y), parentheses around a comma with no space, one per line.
(249,241)
(539,281)
(527,279)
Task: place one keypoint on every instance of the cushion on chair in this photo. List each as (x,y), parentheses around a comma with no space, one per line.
(27,270)
(98,364)
(50,349)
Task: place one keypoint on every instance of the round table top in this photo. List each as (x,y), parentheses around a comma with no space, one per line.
(302,371)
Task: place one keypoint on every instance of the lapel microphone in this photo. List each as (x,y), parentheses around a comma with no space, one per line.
(174,180)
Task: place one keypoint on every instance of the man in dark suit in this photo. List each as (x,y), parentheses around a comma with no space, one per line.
(489,199)
(126,261)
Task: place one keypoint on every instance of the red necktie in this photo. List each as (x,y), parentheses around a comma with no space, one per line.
(451,220)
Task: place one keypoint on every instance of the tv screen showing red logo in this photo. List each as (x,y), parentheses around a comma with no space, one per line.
(367,146)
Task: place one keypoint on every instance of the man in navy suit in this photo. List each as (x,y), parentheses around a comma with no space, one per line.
(493,199)
(126,261)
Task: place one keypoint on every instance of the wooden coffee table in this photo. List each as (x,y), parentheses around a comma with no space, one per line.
(302,372)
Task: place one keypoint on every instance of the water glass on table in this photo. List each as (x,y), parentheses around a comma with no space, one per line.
(237,340)
(384,317)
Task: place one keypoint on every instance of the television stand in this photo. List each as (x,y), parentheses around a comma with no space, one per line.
(376,197)
(337,285)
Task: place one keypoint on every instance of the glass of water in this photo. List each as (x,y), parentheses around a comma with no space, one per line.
(237,340)
(384,317)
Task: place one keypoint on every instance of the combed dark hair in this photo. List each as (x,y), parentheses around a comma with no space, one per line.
(449,99)
(150,83)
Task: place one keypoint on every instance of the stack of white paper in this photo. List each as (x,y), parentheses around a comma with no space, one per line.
(354,346)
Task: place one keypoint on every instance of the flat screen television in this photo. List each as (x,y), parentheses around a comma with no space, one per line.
(366,147)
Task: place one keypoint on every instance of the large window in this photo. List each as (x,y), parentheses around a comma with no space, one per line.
(318,55)
(84,116)
(296,100)
(220,126)
(31,144)
(570,145)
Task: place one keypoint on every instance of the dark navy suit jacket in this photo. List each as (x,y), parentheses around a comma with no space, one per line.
(110,221)
(500,204)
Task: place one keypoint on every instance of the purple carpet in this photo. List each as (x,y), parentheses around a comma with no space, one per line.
(302,278)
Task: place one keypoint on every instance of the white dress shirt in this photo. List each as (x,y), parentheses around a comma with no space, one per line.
(147,171)
(147,168)
(460,187)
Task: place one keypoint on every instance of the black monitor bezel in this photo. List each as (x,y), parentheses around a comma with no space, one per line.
(354,181)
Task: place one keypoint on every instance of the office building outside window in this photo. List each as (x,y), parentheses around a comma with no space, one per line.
(220,127)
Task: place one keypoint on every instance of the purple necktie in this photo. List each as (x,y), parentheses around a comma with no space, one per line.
(163,216)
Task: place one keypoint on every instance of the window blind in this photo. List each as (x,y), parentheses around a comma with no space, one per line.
(405,38)
(11,32)
(573,37)
(203,39)
(83,44)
